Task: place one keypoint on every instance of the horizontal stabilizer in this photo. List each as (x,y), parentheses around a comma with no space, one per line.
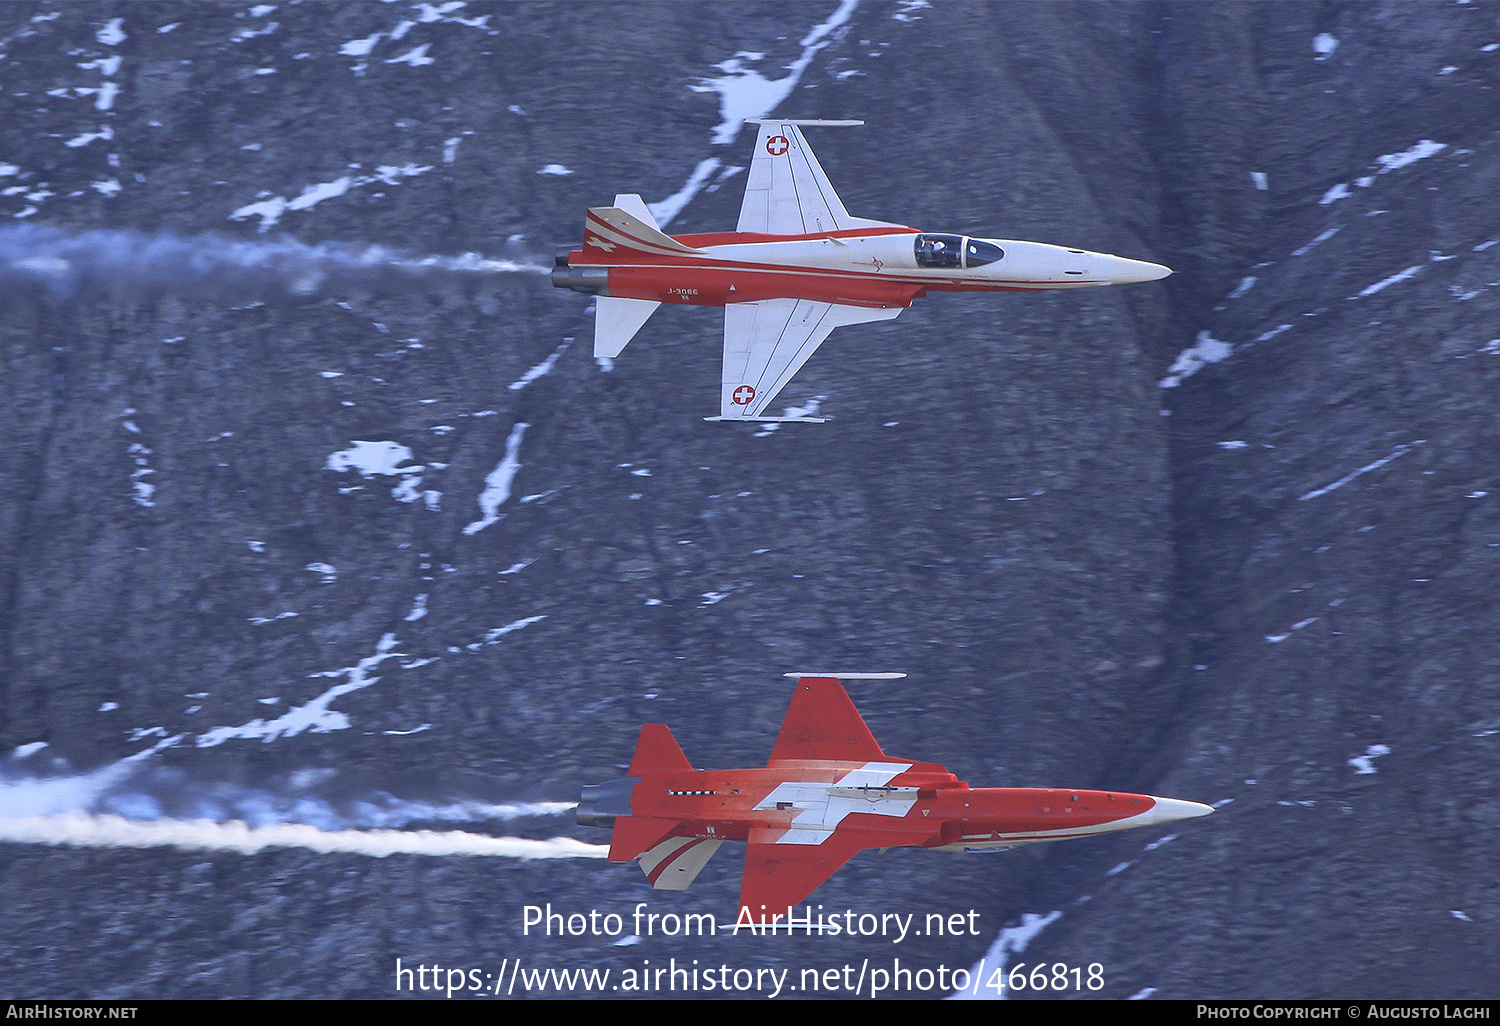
(675,863)
(617,320)
(658,753)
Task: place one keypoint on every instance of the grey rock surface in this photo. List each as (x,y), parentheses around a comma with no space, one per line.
(1230,537)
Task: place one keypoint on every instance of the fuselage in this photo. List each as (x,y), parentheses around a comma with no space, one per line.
(878,267)
(892,804)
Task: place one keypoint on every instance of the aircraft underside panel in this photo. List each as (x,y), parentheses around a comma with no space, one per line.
(766,343)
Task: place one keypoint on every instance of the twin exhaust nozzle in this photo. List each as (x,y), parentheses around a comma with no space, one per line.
(591,281)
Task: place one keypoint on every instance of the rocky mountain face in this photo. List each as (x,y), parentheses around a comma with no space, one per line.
(298,531)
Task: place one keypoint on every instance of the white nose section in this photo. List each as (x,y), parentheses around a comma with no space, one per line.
(1128,272)
(1169,810)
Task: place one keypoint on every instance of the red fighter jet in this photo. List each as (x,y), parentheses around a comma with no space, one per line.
(798,266)
(828,792)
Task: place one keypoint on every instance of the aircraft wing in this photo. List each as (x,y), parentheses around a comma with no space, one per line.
(821,723)
(778,874)
(787,192)
(781,875)
(767,342)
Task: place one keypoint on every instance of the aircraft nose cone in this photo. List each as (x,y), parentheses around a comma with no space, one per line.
(1169,810)
(1128,272)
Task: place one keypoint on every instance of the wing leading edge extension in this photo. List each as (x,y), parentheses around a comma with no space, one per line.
(766,343)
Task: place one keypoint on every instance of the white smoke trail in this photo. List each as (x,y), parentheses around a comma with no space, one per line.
(66,265)
(204,835)
(135,792)
(35,796)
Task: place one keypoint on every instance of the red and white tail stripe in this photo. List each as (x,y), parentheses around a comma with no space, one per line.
(676,862)
(612,229)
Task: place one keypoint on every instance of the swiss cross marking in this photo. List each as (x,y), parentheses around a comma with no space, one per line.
(743,395)
(777,145)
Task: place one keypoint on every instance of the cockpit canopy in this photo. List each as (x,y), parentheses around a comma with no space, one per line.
(977,253)
(942,251)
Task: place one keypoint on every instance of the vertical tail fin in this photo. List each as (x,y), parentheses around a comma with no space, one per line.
(633,204)
(609,230)
(624,233)
(657,752)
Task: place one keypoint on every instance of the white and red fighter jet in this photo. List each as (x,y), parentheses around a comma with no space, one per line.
(828,792)
(797,266)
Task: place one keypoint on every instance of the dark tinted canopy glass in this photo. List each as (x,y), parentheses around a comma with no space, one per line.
(939,250)
(977,253)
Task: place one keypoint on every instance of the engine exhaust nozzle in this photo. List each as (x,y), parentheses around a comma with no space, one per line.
(591,281)
(601,804)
